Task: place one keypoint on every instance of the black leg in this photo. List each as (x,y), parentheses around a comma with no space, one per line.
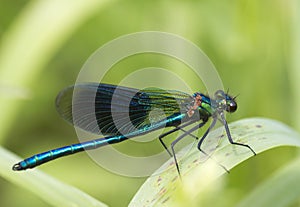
(229,135)
(170,132)
(202,139)
(181,137)
(205,134)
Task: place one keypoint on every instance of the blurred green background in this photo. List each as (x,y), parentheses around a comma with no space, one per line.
(255,46)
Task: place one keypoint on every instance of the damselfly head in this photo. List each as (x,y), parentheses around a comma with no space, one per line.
(225,102)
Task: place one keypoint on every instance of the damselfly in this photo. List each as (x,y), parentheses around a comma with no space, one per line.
(120,113)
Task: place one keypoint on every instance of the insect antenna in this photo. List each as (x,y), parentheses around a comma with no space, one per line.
(235,97)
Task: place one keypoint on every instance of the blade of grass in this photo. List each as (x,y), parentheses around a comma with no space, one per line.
(166,189)
(281,189)
(46,187)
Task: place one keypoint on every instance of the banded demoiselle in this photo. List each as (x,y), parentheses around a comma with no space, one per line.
(101,108)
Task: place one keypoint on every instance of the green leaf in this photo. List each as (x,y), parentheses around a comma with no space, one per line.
(164,186)
(281,189)
(46,187)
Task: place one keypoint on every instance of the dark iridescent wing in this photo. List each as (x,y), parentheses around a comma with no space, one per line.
(114,110)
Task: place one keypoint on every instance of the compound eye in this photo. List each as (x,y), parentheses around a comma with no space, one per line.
(231,107)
